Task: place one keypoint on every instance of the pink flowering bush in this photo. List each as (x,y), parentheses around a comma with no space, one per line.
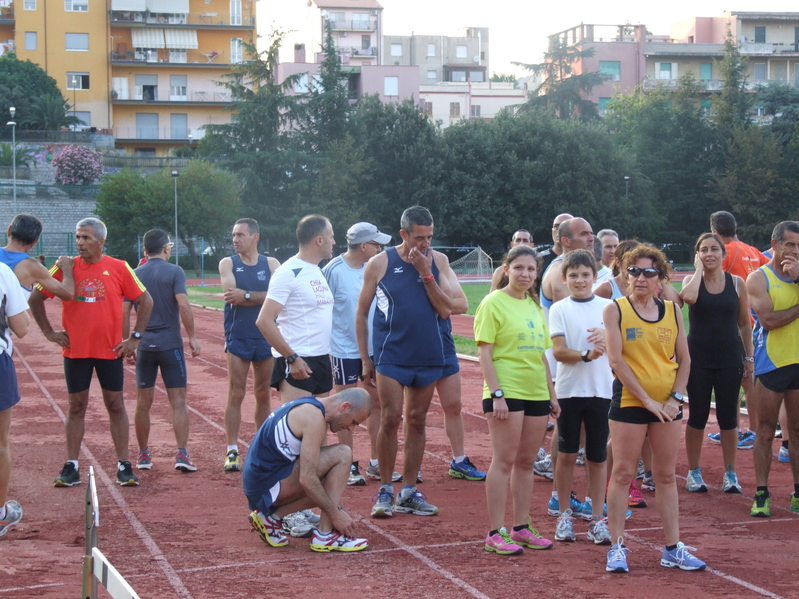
(77,165)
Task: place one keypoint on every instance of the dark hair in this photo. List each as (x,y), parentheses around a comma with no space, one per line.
(723,223)
(778,234)
(704,236)
(252,225)
(155,241)
(415,215)
(513,254)
(659,260)
(577,258)
(624,246)
(26,229)
(310,227)
(513,237)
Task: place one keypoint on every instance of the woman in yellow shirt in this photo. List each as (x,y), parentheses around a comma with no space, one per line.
(648,352)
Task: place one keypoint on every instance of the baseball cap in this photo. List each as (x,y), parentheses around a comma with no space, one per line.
(363,232)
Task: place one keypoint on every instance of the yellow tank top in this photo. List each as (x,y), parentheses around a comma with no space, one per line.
(781,347)
(648,349)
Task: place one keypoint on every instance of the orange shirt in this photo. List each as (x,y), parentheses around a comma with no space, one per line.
(742,259)
(93,320)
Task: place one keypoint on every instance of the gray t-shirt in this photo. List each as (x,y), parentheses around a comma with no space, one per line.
(163,281)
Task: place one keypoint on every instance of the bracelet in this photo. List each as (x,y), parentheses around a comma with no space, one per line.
(428,279)
(748,359)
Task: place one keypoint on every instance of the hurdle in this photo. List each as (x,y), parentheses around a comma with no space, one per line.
(96,567)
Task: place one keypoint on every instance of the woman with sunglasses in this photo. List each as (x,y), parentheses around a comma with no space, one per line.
(720,333)
(616,287)
(648,352)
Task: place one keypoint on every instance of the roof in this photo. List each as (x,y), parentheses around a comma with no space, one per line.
(767,16)
(348,4)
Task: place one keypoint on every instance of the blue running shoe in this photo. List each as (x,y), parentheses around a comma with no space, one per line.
(581,510)
(681,558)
(605,512)
(746,440)
(784,456)
(617,558)
(553,507)
(715,437)
(465,470)
(578,508)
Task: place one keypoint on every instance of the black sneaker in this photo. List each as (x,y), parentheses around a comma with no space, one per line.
(69,476)
(125,476)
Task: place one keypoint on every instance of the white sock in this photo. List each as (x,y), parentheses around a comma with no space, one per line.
(588,501)
(2,512)
(74,462)
(459,459)
(555,495)
(373,463)
(232,447)
(406,491)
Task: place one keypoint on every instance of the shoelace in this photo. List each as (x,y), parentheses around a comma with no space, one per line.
(682,553)
(379,496)
(617,553)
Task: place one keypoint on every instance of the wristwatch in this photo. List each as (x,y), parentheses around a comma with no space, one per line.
(136,335)
(291,359)
(498,394)
(678,396)
(585,354)
(247,295)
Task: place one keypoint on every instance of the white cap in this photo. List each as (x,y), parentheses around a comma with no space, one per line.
(363,232)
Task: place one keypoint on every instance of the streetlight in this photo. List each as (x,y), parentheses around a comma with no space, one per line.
(626,187)
(175,174)
(13,124)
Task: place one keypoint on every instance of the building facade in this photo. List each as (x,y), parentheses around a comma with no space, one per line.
(448,103)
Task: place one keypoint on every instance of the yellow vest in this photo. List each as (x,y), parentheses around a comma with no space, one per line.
(781,345)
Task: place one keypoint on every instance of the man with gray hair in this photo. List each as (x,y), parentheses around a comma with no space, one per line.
(608,241)
(92,341)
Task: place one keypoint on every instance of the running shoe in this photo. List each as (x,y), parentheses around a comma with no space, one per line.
(794,503)
(183,462)
(729,483)
(681,558)
(746,440)
(564,530)
(13,516)
(144,461)
(69,476)
(627,515)
(384,506)
(313,519)
(373,472)
(465,470)
(784,455)
(543,467)
(529,537)
(641,470)
(356,479)
(716,437)
(297,525)
(270,532)
(233,461)
(335,541)
(617,558)
(419,479)
(761,508)
(575,505)
(502,544)
(694,481)
(542,453)
(415,503)
(648,482)
(636,499)
(125,476)
(580,461)
(598,532)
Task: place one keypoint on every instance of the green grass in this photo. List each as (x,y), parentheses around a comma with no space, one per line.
(465,345)
(202,296)
(475,292)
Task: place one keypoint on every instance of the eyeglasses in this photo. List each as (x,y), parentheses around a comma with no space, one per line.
(648,273)
(556,225)
(171,244)
(374,243)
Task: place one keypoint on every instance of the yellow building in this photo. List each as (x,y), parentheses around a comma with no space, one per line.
(144,69)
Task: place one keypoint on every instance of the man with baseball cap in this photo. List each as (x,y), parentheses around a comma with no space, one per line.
(344,276)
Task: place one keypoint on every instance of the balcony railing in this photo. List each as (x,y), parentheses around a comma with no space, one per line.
(355,51)
(711,85)
(65,137)
(206,19)
(7,16)
(34,190)
(359,25)
(167,95)
(139,162)
(159,133)
(193,58)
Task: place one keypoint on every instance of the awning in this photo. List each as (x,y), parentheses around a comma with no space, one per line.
(144,37)
(170,6)
(181,39)
(134,5)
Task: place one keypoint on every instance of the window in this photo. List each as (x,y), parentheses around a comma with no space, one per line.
(301,86)
(760,71)
(177,55)
(665,70)
(706,71)
(360,20)
(458,75)
(396,49)
(760,35)
(610,68)
(29,5)
(604,103)
(431,49)
(235,12)
(31,40)
(391,86)
(461,52)
(76,5)
(235,50)
(84,117)
(146,87)
(366,42)
(179,126)
(475,112)
(177,87)
(146,125)
(477,76)
(334,17)
(428,108)
(432,76)
(454,109)
(77,80)
(77,42)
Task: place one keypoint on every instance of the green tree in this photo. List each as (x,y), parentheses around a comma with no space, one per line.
(731,110)
(505,78)
(21,84)
(7,156)
(49,113)
(781,102)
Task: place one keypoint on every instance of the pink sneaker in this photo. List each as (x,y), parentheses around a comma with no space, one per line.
(636,499)
(529,537)
(502,544)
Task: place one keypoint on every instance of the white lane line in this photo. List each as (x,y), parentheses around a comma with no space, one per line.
(33,587)
(719,573)
(138,527)
(742,523)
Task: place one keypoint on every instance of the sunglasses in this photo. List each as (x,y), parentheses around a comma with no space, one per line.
(648,273)
(374,243)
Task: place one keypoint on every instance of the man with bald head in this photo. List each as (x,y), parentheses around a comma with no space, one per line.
(520,237)
(548,256)
(277,483)
(573,234)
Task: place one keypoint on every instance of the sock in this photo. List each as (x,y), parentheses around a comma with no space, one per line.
(389,488)
(648,474)
(555,495)
(184,450)
(491,533)
(588,501)
(120,466)
(459,459)
(3,512)
(373,463)
(321,534)
(74,463)
(764,489)
(231,447)
(785,444)
(671,547)
(796,490)
(407,490)
(520,527)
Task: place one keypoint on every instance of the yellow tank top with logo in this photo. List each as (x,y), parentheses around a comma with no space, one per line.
(648,349)
(778,347)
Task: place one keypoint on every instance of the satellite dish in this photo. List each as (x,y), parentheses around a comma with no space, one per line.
(476,59)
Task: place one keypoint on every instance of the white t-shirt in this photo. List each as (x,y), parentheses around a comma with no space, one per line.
(12,302)
(306,319)
(602,275)
(571,318)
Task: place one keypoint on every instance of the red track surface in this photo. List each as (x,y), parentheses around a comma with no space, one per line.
(180,535)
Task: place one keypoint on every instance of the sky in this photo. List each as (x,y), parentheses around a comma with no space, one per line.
(518,29)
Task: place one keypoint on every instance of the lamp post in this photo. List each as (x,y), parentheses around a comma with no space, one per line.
(626,187)
(190,140)
(13,124)
(175,174)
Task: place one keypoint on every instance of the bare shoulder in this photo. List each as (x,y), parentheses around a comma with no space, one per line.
(441,259)
(225,264)
(273,263)
(306,418)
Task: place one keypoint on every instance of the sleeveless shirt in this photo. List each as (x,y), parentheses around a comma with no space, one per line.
(713,337)
(240,320)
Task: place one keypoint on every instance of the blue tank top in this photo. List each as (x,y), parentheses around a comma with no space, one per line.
(446,336)
(11,259)
(406,329)
(240,320)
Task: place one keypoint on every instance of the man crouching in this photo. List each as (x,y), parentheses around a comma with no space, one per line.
(276,484)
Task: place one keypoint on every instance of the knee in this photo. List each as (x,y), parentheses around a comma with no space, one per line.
(343,453)
(525,463)
(416,420)
(115,406)
(77,407)
(503,466)
(390,417)
(623,473)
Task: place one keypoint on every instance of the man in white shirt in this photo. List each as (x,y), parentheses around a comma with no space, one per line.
(608,241)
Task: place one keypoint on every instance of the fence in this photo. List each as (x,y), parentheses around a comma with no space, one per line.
(35,190)
(51,245)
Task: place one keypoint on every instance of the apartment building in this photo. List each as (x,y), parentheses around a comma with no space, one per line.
(144,69)
(449,103)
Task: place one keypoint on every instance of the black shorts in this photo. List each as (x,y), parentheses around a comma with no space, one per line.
(632,414)
(321,381)
(591,411)
(781,379)
(78,372)
(528,406)
(346,371)
(725,384)
(172,363)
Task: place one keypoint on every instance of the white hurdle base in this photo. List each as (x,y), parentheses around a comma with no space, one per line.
(108,576)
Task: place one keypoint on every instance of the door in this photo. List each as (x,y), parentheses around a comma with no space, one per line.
(179,126)
(146,126)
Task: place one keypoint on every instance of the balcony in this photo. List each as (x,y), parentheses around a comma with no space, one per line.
(177,96)
(354,51)
(191,19)
(161,134)
(165,57)
(359,25)
(7,16)
(710,85)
